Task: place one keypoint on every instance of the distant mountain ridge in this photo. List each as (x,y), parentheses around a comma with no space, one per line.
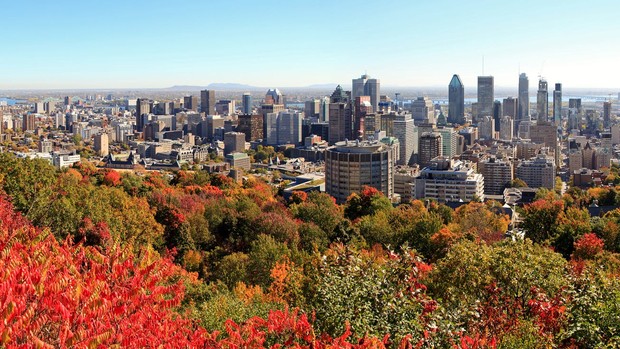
(231,86)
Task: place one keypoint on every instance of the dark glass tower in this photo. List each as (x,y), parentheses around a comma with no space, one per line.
(542,101)
(456,101)
(523,110)
(247,104)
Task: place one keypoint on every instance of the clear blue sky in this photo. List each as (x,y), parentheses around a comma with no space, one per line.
(157,43)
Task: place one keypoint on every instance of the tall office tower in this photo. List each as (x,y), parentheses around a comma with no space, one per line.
(190,103)
(506,128)
(207,102)
(361,108)
(423,111)
(312,108)
(523,111)
(606,114)
(247,104)
(349,166)
(274,96)
(449,141)
(289,127)
(429,148)
(456,101)
(143,107)
(486,96)
(542,101)
(404,131)
(39,108)
(101,144)
(29,122)
(486,127)
(234,142)
(575,103)
(67,100)
(497,113)
(251,126)
(510,107)
(324,111)
(340,116)
(365,86)
(557,105)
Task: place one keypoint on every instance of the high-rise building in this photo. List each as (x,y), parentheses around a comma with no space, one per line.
(101,144)
(251,126)
(404,131)
(497,174)
(429,148)
(449,141)
(456,101)
(351,165)
(190,103)
(486,127)
(234,142)
(510,107)
(207,102)
(557,105)
(542,101)
(365,86)
(289,127)
(486,96)
(274,96)
(497,113)
(312,108)
(523,111)
(225,107)
(340,117)
(29,122)
(506,130)
(361,108)
(606,114)
(143,107)
(247,104)
(423,111)
(67,100)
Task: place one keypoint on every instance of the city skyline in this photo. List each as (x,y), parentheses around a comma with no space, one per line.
(70,44)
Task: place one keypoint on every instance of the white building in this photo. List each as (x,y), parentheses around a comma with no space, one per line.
(449,180)
(538,172)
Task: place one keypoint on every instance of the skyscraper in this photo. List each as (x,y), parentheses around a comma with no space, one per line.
(456,101)
(365,86)
(247,104)
(340,116)
(542,101)
(143,107)
(557,104)
(190,103)
(429,147)
(524,100)
(606,114)
(486,96)
(404,130)
(207,102)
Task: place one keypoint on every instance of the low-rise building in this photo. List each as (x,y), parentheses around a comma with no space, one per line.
(449,180)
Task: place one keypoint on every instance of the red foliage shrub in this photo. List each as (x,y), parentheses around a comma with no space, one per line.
(588,247)
(112,178)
